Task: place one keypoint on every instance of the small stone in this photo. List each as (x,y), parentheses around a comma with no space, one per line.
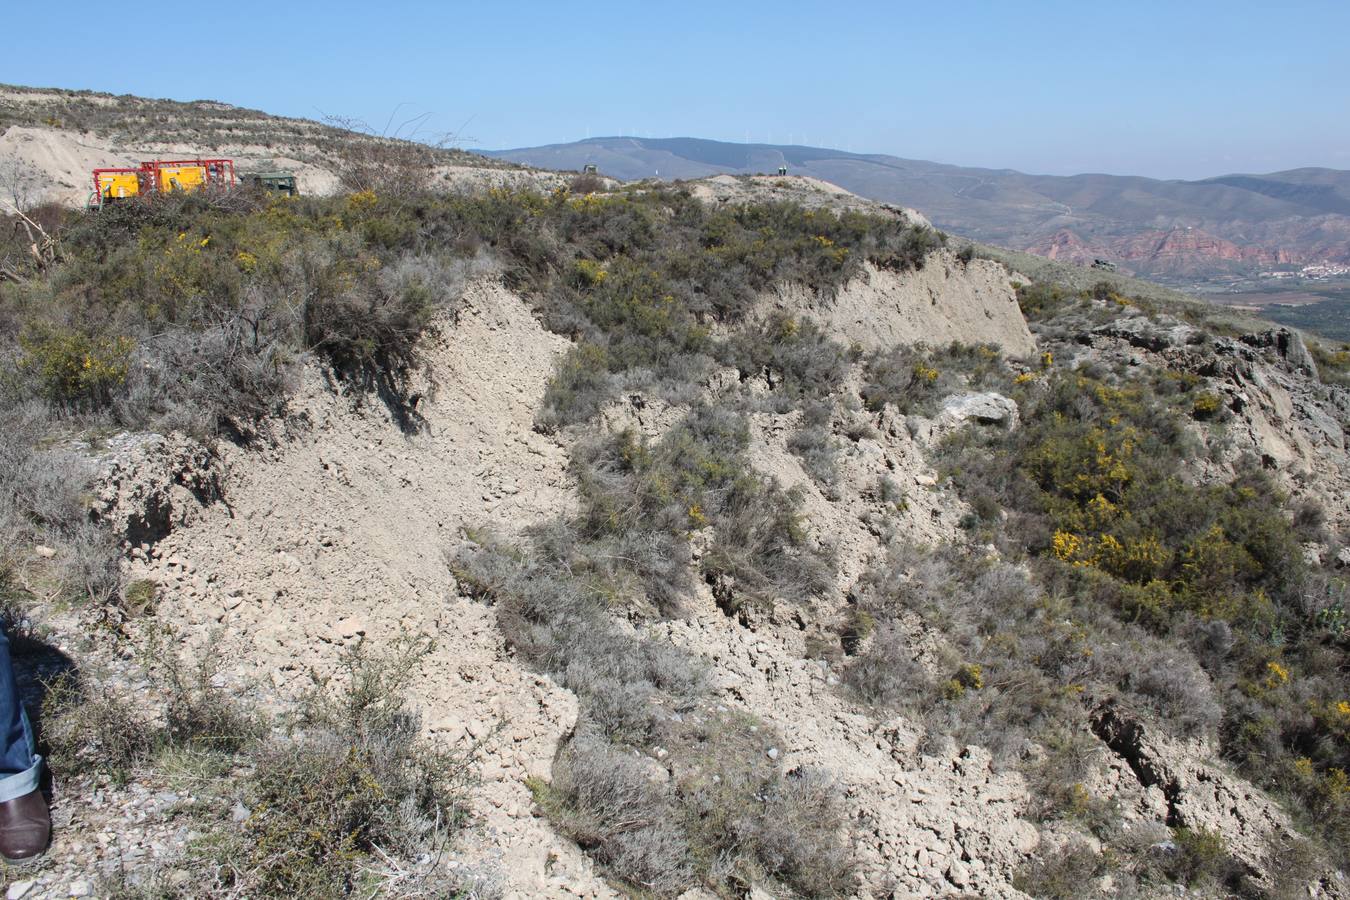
(350,627)
(19,889)
(45,552)
(79,889)
(772,753)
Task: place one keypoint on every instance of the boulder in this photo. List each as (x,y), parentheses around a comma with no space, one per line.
(1289,345)
(1149,334)
(985,408)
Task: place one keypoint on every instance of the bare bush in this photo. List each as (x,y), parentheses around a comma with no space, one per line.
(818,449)
(42,502)
(392,163)
(586,184)
(232,374)
(21,184)
(91,727)
(613,803)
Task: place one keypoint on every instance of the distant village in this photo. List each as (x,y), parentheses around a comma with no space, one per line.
(1317,272)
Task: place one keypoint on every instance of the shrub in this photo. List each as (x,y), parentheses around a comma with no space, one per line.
(223,377)
(727,816)
(90,727)
(384,164)
(198,714)
(912,249)
(698,476)
(371,329)
(139,596)
(579,387)
(886,675)
(915,378)
(42,502)
(611,803)
(1333,363)
(794,356)
(1041,300)
(351,778)
(586,184)
(1206,406)
(1063,874)
(817,447)
(76,370)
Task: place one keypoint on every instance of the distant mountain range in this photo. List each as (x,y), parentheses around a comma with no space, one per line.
(1172,230)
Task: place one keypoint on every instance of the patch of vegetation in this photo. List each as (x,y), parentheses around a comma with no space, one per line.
(354,777)
(698,479)
(914,378)
(816,446)
(664,786)
(1207,580)
(190,311)
(1138,865)
(1333,362)
(327,789)
(795,359)
(1014,666)
(47,542)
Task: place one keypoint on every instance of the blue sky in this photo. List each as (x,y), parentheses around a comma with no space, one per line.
(1176,90)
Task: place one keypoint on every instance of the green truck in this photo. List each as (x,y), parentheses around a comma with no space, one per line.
(275,182)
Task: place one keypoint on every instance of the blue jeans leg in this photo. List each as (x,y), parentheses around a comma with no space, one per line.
(20,766)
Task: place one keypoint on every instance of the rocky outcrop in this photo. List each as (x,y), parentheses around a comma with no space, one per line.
(1288,345)
(1275,408)
(1198,793)
(1147,333)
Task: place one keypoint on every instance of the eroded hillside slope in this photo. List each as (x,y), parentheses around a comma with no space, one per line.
(763,548)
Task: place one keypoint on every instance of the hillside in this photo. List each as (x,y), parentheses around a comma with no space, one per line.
(740,537)
(51,140)
(1180,230)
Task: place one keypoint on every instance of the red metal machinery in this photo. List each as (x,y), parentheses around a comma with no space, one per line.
(161,176)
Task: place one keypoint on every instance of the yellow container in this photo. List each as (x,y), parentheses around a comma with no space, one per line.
(117,185)
(181,178)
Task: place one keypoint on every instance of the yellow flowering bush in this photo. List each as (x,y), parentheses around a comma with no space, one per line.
(76,370)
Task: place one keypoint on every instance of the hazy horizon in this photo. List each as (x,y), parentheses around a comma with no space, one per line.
(1175,91)
(868,152)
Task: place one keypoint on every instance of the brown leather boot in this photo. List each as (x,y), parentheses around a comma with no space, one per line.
(25,828)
